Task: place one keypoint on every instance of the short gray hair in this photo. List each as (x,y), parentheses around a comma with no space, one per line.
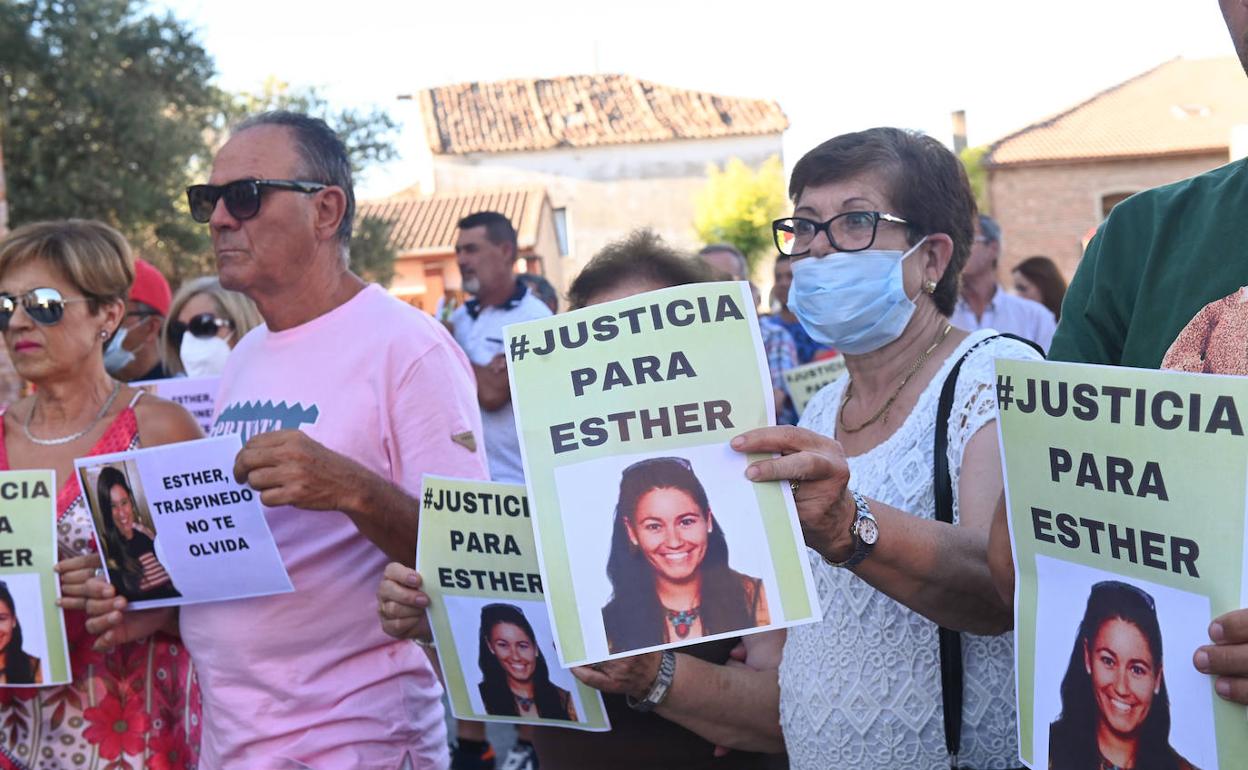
(733,250)
(990,228)
(322,153)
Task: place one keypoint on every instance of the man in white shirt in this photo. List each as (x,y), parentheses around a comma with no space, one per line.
(486,251)
(984,304)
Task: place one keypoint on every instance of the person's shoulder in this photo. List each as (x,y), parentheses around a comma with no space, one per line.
(1229,178)
(752,586)
(1181,762)
(529,308)
(163,422)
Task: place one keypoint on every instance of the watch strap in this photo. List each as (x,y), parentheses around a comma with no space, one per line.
(661,687)
(862,549)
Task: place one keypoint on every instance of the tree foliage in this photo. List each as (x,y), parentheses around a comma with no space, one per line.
(372,253)
(108,109)
(103,108)
(973,161)
(737,206)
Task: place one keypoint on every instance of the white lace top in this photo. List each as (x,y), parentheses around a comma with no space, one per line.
(861,689)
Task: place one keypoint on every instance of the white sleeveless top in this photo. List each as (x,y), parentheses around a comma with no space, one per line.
(861,689)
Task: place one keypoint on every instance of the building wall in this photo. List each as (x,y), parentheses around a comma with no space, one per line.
(608,191)
(423,279)
(1049,209)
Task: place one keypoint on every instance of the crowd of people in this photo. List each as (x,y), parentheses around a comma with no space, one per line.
(345,397)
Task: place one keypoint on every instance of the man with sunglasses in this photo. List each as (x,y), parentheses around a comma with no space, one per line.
(344,398)
(133,353)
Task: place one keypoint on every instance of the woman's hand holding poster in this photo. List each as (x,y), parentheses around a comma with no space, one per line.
(649,534)
(478,558)
(174,527)
(33,649)
(1126,497)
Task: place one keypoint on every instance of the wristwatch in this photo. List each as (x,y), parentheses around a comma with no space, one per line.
(864,531)
(662,685)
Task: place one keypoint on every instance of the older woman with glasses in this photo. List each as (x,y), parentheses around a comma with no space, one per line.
(205,322)
(881,227)
(62,296)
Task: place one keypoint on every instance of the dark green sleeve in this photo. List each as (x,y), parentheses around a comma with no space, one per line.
(1096,312)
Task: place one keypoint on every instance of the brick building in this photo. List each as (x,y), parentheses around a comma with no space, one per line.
(424,231)
(1051,183)
(612,152)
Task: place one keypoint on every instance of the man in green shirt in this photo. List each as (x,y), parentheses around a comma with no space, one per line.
(1162,285)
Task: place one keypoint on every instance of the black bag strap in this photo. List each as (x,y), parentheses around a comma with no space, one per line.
(951,641)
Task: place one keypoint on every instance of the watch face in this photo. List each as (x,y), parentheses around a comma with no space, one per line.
(868,532)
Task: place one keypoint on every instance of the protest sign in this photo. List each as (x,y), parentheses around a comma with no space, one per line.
(196,395)
(804,381)
(29,587)
(175,528)
(476,553)
(629,406)
(1126,497)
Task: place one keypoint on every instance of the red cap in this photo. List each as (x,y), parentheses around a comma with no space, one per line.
(150,287)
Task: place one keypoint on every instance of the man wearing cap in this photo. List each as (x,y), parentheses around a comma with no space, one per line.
(134,351)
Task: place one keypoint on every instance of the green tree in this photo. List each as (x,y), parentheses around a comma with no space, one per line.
(368,135)
(973,161)
(103,108)
(372,253)
(738,204)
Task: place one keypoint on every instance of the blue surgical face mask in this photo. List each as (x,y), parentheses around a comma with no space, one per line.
(855,302)
(116,357)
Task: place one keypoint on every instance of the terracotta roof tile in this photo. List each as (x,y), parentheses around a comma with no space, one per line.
(583,111)
(1181,106)
(426,224)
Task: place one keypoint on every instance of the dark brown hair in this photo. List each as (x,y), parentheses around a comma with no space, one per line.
(926,182)
(1044,273)
(641,255)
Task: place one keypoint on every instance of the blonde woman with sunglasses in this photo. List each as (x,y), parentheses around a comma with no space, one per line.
(62,297)
(205,323)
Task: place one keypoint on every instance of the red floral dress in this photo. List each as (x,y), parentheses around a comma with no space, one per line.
(134,708)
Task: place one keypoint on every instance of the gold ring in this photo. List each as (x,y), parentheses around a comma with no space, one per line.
(794,485)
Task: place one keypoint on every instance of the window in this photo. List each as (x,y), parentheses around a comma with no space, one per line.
(1113,199)
(561,231)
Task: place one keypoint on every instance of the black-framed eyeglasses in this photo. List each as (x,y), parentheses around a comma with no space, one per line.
(850,231)
(242,196)
(205,326)
(45,306)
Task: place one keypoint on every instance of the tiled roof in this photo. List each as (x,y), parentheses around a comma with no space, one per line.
(426,224)
(1184,106)
(583,111)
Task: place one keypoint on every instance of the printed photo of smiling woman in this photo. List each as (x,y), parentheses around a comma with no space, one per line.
(668,566)
(515,679)
(1115,706)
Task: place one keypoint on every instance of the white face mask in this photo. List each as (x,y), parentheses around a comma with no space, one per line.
(203,357)
(116,357)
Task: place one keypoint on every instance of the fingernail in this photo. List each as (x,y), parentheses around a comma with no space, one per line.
(413,580)
(119,603)
(1223,686)
(1202,660)
(1216,632)
(58,603)
(751,473)
(737,442)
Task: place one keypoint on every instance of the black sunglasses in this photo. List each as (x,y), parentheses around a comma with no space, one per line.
(242,197)
(44,306)
(204,326)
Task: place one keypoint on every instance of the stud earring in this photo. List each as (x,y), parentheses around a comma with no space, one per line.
(103,334)
(929,286)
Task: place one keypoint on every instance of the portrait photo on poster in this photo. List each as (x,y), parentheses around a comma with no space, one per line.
(128,538)
(507,655)
(666,548)
(1114,680)
(23,640)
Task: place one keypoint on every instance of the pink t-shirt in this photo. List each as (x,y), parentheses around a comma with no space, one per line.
(308,679)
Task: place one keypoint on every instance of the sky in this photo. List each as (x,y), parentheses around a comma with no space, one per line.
(833,65)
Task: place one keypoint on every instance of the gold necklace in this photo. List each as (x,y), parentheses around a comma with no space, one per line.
(883,411)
